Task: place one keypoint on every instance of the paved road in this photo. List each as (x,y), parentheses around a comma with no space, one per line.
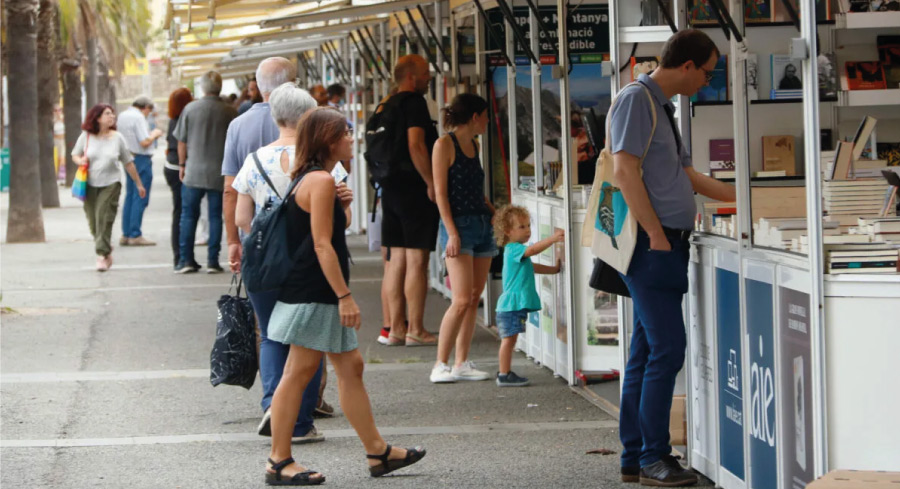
(105,384)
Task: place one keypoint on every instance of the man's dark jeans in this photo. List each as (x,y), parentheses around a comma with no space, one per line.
(174,181)
(190,214)
(657,281)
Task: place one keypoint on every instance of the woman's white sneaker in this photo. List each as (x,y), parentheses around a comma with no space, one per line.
(467,371)
(442,374)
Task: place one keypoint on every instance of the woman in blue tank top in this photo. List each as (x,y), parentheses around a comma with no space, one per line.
(466,233)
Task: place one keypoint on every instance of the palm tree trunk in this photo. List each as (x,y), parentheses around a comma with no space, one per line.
(48,96)
(90,76)
(25,222)
(103,83)
(71,112)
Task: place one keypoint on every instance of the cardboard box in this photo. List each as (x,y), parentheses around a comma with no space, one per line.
(678,422)
(857,479)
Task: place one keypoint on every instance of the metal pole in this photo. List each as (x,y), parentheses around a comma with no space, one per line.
(382,39)
(740,119)
(454,55)
(537,120)
(439,79)
(566,160)
(814,226)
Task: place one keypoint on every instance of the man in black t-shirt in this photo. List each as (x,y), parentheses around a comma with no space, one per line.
(410,221)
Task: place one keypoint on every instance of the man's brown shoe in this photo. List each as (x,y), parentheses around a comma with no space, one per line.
(141,241)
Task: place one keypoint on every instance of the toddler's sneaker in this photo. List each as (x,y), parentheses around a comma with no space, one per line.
(442,374)
(467,371)
(511,380)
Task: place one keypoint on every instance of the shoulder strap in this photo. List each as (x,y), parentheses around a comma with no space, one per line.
(652,112)
(264,175)
(86,141)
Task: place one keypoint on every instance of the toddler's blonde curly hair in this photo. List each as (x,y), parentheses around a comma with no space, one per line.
(503,221)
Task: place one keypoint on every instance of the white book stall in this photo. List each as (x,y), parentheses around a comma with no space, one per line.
(794,289)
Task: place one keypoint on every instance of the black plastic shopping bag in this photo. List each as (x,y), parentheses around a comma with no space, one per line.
(233,358)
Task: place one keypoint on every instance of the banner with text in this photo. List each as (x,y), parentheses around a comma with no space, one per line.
(731,399)
(588,34)
(761,342)
(796,374)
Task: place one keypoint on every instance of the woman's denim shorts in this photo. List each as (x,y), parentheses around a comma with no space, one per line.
(476,236)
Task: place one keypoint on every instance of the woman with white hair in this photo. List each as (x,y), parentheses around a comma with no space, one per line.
(287,104)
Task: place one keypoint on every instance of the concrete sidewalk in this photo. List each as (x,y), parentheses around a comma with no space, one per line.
(105,384)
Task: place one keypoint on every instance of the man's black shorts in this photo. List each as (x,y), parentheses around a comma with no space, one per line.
(410,219)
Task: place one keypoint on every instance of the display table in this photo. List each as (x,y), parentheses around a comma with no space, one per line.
(754,393)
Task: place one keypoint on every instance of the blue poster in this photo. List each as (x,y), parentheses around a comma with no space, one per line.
(731,407)
(760,332)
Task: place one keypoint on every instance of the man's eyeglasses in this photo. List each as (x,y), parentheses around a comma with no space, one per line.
(708,74)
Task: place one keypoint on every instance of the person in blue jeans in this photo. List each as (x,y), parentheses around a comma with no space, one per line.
(656,177)
(201,132)
(512,226)
(141,141)
(466,233)
(287,104)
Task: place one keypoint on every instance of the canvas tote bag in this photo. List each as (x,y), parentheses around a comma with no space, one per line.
(609,230)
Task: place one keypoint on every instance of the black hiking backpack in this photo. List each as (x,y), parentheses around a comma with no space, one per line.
(387,147)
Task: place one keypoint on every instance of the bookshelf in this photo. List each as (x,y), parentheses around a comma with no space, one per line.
(867,20)
(765,101)
(639,34)
(868,98)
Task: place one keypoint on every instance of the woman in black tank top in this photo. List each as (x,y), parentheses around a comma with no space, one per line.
(466,232)
(316,313)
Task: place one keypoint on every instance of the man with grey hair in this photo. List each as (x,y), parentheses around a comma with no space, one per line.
(247,133)
(132,124)
(201,134)
(265,176)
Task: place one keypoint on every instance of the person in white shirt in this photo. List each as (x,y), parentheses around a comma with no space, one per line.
(104,151)
(133,126)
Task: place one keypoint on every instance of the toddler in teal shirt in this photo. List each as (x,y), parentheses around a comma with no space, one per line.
(512,227)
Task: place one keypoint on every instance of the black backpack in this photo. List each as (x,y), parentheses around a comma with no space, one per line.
(267,259)
(387,148)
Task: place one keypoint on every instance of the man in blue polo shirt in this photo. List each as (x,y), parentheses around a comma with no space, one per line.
(662,200)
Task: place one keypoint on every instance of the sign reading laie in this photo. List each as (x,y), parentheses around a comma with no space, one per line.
(588,34)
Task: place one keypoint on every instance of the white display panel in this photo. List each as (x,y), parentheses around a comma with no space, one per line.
(702,365)
(546,287)
(597,325)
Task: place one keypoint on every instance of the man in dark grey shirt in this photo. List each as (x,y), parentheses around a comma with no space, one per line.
(201,132)
(662,200)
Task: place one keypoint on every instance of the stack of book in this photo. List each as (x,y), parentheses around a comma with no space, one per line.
(885,229)
(861,252)
(785,233)
(861,258)
(718,218)
(847,200)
